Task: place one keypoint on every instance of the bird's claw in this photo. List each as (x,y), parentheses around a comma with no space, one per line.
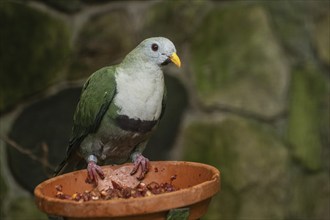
(140,161)
(94,172)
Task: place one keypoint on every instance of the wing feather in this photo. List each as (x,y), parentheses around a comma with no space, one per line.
(95,99)
(97,94)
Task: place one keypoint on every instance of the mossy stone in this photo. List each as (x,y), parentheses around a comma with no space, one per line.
(293,23)
(237,61)
(232,145)
(71,6)
(309,196)
(186,16)
(250,157)
(264,202)
(308,121)
(25,208)
(3,192)
(36,47)
(322,38)
(105,39)
(224,205)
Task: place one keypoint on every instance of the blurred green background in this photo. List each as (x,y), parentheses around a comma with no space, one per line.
(251,98)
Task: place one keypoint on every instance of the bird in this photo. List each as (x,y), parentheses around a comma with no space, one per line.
(119,108)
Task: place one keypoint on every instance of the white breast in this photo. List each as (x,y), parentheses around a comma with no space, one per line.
(139,95)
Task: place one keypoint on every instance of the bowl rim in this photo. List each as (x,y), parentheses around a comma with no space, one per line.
(180,198)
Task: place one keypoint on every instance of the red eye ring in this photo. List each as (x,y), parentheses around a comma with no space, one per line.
(154,47)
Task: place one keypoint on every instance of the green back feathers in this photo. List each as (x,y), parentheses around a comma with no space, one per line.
(97,94)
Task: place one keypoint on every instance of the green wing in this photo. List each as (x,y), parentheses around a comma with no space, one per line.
(96,97)
(97,94)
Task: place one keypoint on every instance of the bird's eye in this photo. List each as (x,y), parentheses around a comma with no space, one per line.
(154,47)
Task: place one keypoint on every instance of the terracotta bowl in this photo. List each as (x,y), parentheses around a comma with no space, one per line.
(197,184)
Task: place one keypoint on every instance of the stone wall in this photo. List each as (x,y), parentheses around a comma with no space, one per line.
(251,98)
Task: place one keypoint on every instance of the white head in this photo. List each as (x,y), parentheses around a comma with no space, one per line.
(155,50)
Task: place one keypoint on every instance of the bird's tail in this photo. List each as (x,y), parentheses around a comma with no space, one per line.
(72,162)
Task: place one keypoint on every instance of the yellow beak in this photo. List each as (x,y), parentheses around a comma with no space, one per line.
(175,59)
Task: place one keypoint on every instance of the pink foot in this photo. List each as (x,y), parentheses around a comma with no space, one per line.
(140,161)
(94,172)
